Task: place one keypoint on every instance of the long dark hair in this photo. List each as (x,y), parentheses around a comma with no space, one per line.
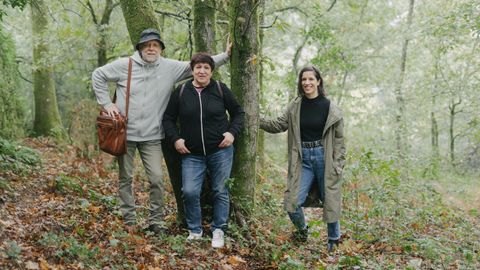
(321,90)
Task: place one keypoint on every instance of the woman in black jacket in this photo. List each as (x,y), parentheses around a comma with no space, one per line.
(205,140)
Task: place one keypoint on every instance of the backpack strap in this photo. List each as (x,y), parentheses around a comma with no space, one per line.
(220,89)
(181,91)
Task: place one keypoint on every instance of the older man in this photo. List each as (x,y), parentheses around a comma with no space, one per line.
(153,78)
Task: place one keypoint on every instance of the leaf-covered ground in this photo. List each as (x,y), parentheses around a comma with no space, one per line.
(62,213)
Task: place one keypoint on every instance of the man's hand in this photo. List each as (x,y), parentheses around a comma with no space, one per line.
(227,140)
(112,110)
(229,46)
(180,147)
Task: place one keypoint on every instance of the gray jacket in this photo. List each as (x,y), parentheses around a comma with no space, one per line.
(150,90)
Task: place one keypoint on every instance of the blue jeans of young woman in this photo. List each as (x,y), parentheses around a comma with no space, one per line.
(313,169)
(194,168)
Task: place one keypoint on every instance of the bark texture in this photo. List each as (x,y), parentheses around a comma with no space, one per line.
(139,15)
(204,26)
(47,118)
(245,84)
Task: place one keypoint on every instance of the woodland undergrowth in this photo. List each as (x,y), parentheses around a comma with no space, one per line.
(58,210)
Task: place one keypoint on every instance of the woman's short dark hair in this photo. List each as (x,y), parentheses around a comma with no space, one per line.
(321,90)
(202,57)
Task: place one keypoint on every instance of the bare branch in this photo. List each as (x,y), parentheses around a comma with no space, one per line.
(331,5)
(20,60)
(295,8)
(173,15)
(276,17)
(92,12)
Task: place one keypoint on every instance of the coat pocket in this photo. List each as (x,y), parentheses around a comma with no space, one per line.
(337,168)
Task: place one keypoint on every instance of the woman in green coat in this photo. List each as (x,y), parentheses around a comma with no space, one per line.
(316,155)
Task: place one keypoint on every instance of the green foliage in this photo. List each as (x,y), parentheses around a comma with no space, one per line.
(65,184)
(12,3)
(17,158)
(384,210)
(349,261)
(12,250)
(70,249)
(108,201)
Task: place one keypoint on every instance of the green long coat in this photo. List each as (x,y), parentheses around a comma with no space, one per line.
(334,149)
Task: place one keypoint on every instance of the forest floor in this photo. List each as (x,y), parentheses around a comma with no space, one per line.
(63,214)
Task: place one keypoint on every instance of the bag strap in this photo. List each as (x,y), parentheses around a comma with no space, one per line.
(128,85)
(129,79)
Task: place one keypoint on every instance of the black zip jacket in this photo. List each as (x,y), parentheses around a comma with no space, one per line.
(202,117)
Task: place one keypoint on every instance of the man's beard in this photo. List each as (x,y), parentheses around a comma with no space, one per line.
(150,58)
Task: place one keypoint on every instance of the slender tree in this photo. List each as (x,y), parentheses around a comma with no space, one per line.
(47,119)
(434,133)
(244,76)
(453,111)
(101,22)
(400,130)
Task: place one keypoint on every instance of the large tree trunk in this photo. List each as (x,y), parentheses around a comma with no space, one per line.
(244,74)
(400,130)
(204,31)
(47,119)
(204,25)
(11,109)
(139,15)
(204,28)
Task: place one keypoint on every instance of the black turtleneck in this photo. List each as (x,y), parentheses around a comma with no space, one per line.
(313,115)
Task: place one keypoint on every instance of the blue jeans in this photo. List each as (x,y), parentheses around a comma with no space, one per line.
(194,167)
(313,169)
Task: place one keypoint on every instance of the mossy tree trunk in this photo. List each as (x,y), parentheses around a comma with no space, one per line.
(139,15)
(244,64)
(11,109)
(47,118)
(204,26)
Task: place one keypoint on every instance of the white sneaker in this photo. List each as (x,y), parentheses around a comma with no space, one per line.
(194,236)
(217,239)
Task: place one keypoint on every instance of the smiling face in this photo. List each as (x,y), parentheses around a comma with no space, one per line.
(150,51)
(202,73)
(310,84)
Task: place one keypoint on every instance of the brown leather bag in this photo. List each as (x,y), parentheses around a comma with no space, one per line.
(112,131)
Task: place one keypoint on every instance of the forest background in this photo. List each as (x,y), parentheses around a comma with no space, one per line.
(405,73)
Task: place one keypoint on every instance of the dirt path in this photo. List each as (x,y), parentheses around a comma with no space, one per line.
(465,197)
